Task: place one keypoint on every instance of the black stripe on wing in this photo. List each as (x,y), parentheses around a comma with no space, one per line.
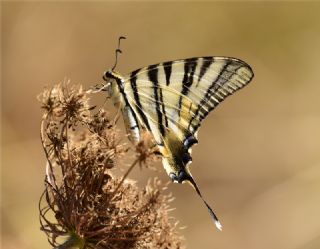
(133,82)
(189,70)
(127,104)
(207,61)
(167,66)
(153,77)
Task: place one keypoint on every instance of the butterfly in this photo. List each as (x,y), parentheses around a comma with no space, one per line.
(170,100)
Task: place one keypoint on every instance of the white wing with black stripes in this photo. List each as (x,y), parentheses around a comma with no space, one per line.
(176,96)
(171,99)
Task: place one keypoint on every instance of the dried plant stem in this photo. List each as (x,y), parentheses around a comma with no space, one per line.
(124,177)
(42,135)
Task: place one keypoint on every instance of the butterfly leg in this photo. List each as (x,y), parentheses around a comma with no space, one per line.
(99,88)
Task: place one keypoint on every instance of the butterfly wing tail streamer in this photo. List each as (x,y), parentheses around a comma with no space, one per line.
(176,158)
(212,214)
(179,173)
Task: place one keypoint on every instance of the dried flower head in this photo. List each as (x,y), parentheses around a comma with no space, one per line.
(147,150)
(84,205)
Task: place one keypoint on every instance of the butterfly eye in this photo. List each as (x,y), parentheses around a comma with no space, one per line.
(107,76)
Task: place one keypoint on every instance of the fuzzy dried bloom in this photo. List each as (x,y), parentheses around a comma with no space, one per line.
(84,205)
(147,150)
(66,102)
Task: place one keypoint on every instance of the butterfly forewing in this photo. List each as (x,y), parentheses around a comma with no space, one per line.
(177,95)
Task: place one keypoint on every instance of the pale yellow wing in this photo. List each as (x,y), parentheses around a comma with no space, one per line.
(176,96)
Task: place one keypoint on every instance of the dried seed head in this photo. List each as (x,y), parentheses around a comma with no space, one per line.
(146,150)
(91,207)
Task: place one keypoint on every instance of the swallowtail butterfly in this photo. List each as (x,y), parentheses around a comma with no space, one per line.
(171,99)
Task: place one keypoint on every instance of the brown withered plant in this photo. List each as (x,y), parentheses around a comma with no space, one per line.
(84,205)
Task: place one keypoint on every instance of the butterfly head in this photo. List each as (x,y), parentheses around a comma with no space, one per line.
(108,75)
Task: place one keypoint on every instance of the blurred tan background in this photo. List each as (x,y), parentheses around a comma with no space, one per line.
(258,160)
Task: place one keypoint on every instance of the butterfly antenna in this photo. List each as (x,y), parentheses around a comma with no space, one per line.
(213,215)
(118,51)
